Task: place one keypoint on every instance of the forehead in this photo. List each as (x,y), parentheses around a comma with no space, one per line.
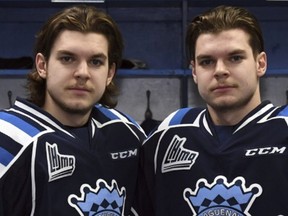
(224,41)
(75,41)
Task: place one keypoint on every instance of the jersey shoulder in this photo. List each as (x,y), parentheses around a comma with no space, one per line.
(17,132)
(180,117)
(19,127)
(283,111)
(104,115)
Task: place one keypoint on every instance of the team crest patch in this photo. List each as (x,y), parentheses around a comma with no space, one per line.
(103,200)
(177,157)
(59,165)
(221,197)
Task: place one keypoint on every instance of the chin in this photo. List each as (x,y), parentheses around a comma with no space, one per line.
(223,104)
(78,108)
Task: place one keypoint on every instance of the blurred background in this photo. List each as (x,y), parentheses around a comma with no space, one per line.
(154,57)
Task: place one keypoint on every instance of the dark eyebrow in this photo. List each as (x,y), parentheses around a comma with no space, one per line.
(66,52)
(198,58)
(99,55)
(236,52)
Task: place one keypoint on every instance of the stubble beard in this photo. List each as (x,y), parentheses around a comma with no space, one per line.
(70,108)
(229,106)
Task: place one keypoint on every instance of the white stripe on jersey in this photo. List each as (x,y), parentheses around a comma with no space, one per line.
(134,212)
(33,177)
(205,123)
(40,115)
(166,121)
(257,114)
(15,133)
(93,129)
(119,115)
(2,167)
(266,118)
(126,120)
(99,125)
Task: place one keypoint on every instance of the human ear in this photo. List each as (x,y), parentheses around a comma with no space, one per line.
(111,73)
(41,65)
(261,64)
(192,67)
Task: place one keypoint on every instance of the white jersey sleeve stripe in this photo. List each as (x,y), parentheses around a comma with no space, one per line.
(15,133)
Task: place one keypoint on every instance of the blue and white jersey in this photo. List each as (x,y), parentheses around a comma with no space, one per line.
(47,168)
(189,169)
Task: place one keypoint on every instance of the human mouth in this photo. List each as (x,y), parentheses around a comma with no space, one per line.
(79,90)
(222,88)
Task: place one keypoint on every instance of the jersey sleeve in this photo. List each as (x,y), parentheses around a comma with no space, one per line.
(15,187)
(16,136)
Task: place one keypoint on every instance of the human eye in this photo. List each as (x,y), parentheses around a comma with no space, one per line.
(205,62)
(65,59)
(96,62)
(236,58)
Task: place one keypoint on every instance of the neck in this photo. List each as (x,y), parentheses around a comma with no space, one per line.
(74,120)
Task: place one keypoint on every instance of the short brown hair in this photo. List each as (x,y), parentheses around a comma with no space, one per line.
(224,18)
(84,19)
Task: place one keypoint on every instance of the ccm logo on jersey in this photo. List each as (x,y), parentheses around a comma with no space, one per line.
(265,151)
(124,154)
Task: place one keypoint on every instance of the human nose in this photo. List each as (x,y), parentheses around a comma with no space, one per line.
(82,70)
(221,69)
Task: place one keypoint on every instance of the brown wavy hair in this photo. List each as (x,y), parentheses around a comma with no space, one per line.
(224,18)
(81,18)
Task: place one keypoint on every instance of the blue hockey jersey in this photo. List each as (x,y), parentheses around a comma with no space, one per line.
(188,170)
(46,169)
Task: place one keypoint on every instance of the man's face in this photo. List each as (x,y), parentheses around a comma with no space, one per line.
(76,74)
(226,71)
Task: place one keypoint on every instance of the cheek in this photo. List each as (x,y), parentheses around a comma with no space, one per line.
(56,80)
(53,85)
(251,83)
(203,83)
(248,79)
(201,79)
(99,81)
